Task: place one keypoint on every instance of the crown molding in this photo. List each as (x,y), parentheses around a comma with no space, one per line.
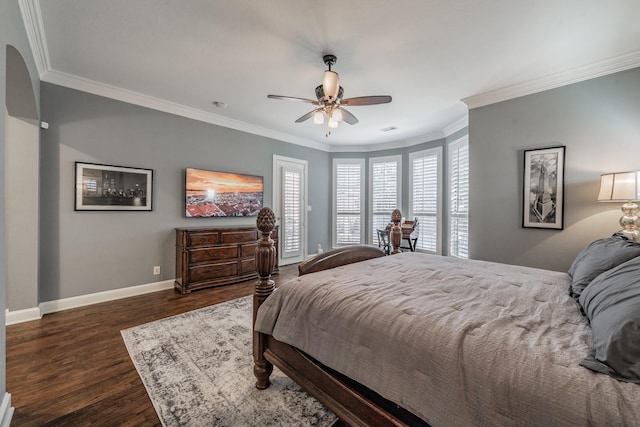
(433,136)
(135,98)
(454,127)
(32,18)
(552,81)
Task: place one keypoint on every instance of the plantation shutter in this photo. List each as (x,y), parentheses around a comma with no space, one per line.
(385,191)
(292,209)
(425,197)
(459,199)
(348,201)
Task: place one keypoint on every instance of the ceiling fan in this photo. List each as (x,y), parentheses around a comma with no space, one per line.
(329,99)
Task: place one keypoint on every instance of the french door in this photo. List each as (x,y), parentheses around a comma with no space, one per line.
(289,205)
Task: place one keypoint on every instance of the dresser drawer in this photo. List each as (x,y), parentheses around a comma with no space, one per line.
(203,239)
(248,250)
(239,236)
(248,266)
(212,254)
(213,271)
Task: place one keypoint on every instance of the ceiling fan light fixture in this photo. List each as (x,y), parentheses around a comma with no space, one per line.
(330,100)
(337,115)
(330,84)
(318,117)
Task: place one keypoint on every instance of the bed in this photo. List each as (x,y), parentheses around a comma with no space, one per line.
(415,339)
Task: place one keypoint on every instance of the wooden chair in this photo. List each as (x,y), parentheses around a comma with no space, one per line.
(383,241)
(410,233)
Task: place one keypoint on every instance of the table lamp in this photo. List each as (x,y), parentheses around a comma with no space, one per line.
(622,187)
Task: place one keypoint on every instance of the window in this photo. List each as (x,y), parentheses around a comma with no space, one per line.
(348,201)
(384,179)
(459,198)
(425,204)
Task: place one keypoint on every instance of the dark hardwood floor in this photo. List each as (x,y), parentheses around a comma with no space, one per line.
(72,368)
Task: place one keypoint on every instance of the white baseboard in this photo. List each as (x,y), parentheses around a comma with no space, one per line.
(6,411)
(19,316)
(47,307)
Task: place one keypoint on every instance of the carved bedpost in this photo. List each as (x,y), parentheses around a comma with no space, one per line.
(265,262)
(396,232)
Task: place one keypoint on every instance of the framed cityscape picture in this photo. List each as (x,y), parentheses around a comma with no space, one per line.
(112,188)
(543,204)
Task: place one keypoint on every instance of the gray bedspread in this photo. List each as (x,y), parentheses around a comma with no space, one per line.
(456,342)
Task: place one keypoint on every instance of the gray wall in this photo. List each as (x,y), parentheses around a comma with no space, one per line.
(599,123)
(88,252)
(12,33)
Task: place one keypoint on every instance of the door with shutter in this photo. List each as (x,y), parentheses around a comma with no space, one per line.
(289,204)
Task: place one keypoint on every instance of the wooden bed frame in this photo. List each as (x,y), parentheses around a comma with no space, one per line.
(354,404)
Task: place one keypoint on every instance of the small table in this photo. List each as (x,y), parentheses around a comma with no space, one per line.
(408,234)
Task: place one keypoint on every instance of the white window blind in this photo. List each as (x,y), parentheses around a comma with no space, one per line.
(292,208)
(425,199)
(348,186)
(384,173)
(459,198)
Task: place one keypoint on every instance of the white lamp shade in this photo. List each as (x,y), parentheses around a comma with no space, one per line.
(330,84)
(332,124)
(337,114)
(318,118)
(619,187)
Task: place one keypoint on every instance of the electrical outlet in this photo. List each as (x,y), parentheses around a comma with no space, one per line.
(156,270)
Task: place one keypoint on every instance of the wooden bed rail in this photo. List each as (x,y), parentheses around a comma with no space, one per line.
(352,403)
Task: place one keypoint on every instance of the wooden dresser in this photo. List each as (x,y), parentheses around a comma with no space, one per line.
(214,256)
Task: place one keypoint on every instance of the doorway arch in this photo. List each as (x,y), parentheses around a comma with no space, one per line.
(21,191)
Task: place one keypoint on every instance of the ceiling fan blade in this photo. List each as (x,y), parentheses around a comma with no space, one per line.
(291,98)
(366,100)
(348,117)
(306,116)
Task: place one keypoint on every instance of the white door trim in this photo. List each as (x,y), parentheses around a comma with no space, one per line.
(278,162)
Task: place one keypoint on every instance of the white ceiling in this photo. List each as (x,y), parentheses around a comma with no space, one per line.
(429,55)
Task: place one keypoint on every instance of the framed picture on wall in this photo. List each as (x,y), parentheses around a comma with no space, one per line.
(543,205)
(112,188)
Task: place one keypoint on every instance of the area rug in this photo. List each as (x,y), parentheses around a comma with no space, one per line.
(197,368)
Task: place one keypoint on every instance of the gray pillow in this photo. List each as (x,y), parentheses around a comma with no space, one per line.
(611,302)
(600,256)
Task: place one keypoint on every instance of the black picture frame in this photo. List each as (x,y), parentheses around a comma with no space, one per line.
(543,188)
(100,187)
